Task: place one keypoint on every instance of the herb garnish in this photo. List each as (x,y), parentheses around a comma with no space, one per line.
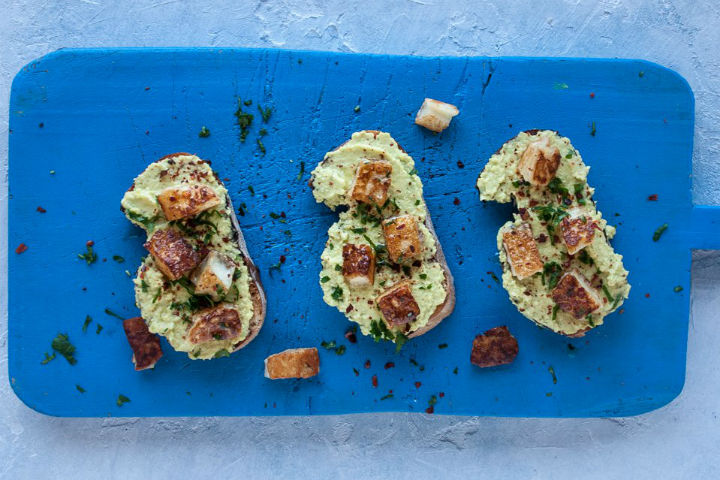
(413,171)
(47,359)
(356,109)
(88,319)
(221,353)
(302,171)
(593,130)
(244,120)
(554,311)
(325,279)
(148,223)
(442,346)
(89,256)
(380,331)
(385,397)
(551,274)
(251,190)
(261,146)
(607,293)
(552,215)
(99,329)
(204,132)
(118,258)
(677,289)
(113,314)
(265,113)
(658,233)
(61,344)
(337,293)
(552,372)
(80,389)
(121,400)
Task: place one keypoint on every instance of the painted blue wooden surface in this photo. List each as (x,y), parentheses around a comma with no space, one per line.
(98,117)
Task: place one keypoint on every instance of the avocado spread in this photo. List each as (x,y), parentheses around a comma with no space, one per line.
(361,223)
(547,209)
(168,305)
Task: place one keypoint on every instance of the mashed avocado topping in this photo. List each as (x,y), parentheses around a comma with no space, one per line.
(332,182)
(543,208)
(166,305)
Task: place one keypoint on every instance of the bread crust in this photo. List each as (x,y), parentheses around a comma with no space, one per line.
(293,363)
(443,310)
(257,293)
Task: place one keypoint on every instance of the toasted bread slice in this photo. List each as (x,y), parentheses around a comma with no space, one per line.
(174,319)
(332,183)
(293,363)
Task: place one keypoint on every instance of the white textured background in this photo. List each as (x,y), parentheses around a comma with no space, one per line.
(681,440)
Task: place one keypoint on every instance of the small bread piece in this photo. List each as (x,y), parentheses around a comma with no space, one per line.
(402,238)
(186,201)
(397,305)
(174,256)
(522,251)
(372,182)
(578,231)
(574,295)
(539,162)
(435,115)
(221,322)
(145,345)
(495,347)
(293,363)
(358,265)
(214,276)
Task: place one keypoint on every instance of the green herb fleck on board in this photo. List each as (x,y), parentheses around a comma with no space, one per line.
(98,329)
(265,113)
(122,400)
(325,279)
(561,86)
(337,293)
(88,319)
(442,346)
(204,132)
(385,397)
(89,256)
(61,344)
(251,190)
(221,353)
(47,359)
(261,146)
(641,74)
(113,314)
(356,109)
(552,372)
(80,389)
(658,233)
(678,289)
(118,258)
(244,120)
(593,129)
(607,293)
(302,171)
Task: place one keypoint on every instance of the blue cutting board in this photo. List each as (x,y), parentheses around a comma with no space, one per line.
(97,117)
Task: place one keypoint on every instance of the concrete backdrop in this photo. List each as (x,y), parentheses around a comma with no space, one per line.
(681,440)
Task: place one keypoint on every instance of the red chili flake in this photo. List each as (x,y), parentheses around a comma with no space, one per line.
(282,214)
(89,243)
(647,295)
(389,365)
(282,259)
(592,94)
(460,164)
(41,210)
(441,394)
(147,88)
(21,248)
(417,384)
(367,364)
(350,335)
(226,179)
(653,197)
(147,132)
(430,409)
(374,381)
(622,310)
(349,309)
(456,201)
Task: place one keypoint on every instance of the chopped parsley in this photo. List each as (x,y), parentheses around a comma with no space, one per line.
(658,233)
(325,279)
(118,258)
(678,289)
(88,319)
(585,258)
(89,256)
(98,329)
(593,130)
(413,171)
(380,331)
(302,171)
(551,274)
(607,293)
(242,209)
(244,120)
(265,113)
(262,132)
(261,146)
(122,400)
(385,397)
(113,314)
(251,190)
(442,346)
(148,223)
(274,215)
(61,344)
(552,216)
(337,293)
(340,350)
(328,345)
(221,353)
(47,359)
(356,109)
(338,268)
(557,187)
(432,401)
(554,311)
(204,132)
(80,389)
(552,372)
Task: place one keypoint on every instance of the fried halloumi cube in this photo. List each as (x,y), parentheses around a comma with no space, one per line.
(397,305)
(145,345)
(539,162)
(372,182)
(435,115)
(403,239)
(521,251)
(358,265)
(495,347)
(574,295)
(173,255)
(578,231)
(186,201)
(214,275)
(221,322)
(293,363)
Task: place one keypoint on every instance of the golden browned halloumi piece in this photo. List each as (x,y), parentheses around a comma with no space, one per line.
(402,238)
(358,265)
(539,162)
(220,322)
(173,254)
(522,251)
(574,295)
(372,181)
(186,201)
(214,275)
(293,363)
(397,305)
(435,115)
(145,345)
(578,231)
(495,347)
